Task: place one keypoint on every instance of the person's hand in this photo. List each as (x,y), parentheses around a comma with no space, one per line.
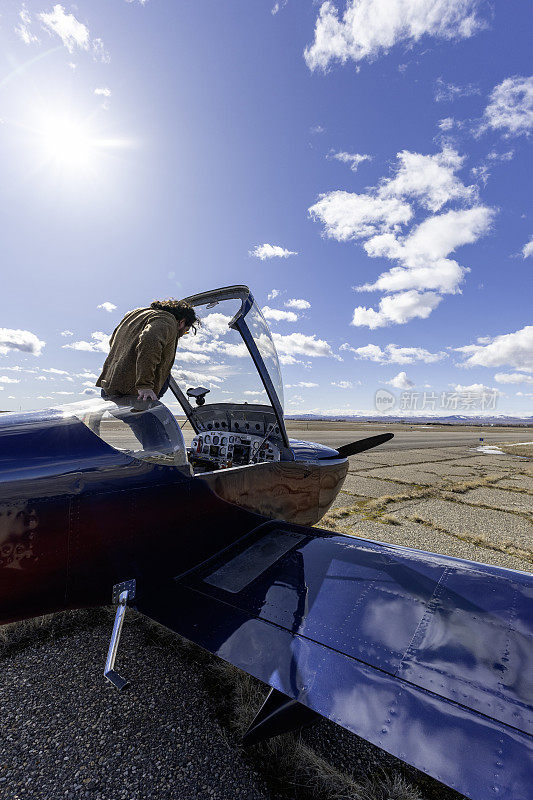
(146,394)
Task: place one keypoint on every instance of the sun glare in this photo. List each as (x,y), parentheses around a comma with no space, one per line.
(73,145)
(68,143)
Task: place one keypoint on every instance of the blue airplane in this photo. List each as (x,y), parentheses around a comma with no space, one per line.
(428,657)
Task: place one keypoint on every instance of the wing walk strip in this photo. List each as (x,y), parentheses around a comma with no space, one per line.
(394,675)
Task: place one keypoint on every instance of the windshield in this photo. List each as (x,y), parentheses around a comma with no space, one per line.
(263,338)
(217,358)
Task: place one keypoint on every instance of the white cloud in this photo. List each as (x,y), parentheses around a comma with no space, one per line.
(495,156)
(353,159)
(16,339)
(278,315)
(86,374)
(196,378)
(477,388)
(379,215)
(445,92)
(512,377)
(394,354)
(298,303)
(67,333)
(107,306)
(398,308)
(370,28)
(100,344)
(446,124)
(511,107)
(481,173)
(429,179)
(347,215)
(422,253)
(73,33)
(513,349)
(294,344)
(301,385)
(288,360)
(192,358)
(278,6)
(527,249)
(342,384)
(90,392)
(5,379)
(273,294)
(401,381)
(23,28)
(54,371)
(215,324)
(41,378)
(104,91)
(264,251)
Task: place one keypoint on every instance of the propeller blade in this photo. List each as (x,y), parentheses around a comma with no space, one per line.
(361,445)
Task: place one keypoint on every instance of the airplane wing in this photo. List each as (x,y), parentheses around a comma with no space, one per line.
(426,656)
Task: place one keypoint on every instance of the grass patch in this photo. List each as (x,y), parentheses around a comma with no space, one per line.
(17,635)
(477,539)
(525,450)
(289,764)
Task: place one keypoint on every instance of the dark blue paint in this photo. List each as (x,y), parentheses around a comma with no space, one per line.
(305,451)
(397,645)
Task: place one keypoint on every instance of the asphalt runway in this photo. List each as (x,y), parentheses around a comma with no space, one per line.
(406,437)
(411,438)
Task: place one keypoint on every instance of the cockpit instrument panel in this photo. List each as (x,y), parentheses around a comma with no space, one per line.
(210,451)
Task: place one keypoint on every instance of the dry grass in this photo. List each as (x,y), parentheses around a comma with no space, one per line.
(30,631)
(517,450)
(291,765)
(478,539)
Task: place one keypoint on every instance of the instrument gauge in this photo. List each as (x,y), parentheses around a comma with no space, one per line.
(207,439)
(224,440)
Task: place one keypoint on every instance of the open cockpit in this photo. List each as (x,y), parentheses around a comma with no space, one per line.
(227,382)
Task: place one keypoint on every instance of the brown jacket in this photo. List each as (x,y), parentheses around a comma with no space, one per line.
(143,348)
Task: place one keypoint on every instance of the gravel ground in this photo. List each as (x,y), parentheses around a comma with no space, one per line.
(67,733)
(174,734)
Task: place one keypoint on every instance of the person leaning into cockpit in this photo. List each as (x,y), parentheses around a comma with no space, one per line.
(142,351)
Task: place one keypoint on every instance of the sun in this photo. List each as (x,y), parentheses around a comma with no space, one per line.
(68,143)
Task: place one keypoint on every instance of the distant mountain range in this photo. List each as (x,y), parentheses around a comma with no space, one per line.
(453,419)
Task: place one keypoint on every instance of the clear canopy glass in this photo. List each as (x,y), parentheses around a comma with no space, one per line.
(218,359)
(140,429)
(260,331)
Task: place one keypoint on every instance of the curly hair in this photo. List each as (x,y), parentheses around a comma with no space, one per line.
(179,309)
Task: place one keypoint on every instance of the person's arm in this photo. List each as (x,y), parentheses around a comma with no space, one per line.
(152,341)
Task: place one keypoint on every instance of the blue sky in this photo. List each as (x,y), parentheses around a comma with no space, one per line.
(369,159)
